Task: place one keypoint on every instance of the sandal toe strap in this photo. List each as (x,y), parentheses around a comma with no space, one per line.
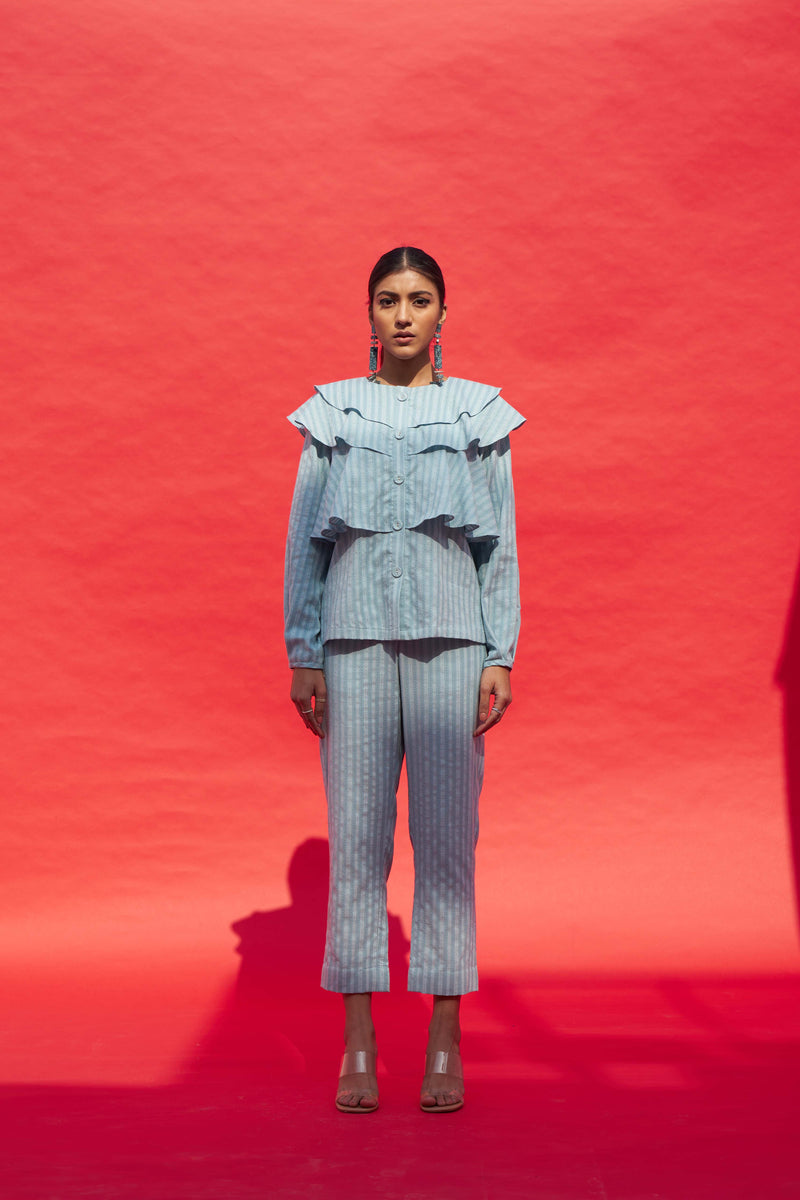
(437,1062)
(357,1062)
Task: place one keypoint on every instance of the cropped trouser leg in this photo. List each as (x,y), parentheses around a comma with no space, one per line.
(386,699)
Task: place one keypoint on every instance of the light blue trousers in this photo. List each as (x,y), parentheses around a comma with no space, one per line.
(387,699)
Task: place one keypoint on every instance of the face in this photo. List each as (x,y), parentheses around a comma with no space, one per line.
(405,312)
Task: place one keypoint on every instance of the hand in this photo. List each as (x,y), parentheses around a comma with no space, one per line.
(495,697)
(307,684)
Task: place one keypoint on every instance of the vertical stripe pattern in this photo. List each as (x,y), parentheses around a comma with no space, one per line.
(387,699)
(402,524)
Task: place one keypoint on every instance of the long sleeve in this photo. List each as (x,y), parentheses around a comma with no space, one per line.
(307,559)
(402,523)
(496,562)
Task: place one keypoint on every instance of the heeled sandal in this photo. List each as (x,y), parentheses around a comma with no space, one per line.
(436,1063)
(358,1062)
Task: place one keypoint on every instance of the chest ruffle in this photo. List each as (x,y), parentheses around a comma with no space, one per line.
(401,462)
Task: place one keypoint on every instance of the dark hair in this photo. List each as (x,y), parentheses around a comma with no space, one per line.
(406,258)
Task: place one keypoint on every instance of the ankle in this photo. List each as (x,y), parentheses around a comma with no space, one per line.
(444,1035)
(360,1037)
(359,1031)
(445,1022)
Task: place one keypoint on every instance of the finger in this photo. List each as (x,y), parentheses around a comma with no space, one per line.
(303,707)
(316,718)
(484,725)
(313,714)
(320,705)
(311,723)
(315,727)
(484,701)
(305,711)
(492,719)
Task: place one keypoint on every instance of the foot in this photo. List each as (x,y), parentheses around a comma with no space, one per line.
(358,1084)
(443,1085)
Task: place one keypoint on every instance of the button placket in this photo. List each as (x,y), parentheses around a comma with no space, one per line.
(398,492)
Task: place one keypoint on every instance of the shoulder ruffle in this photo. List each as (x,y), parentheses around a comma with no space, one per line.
(442,431)
(355,412)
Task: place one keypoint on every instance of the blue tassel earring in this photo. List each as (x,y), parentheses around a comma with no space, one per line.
(373,354)
(438,377)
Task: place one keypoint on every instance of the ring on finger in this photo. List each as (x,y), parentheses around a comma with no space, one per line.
(304,711)
(497,710)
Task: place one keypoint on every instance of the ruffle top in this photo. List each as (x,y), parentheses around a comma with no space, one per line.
(402,521)
(440,431)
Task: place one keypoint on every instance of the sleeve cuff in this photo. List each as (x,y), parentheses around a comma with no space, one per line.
(497,660)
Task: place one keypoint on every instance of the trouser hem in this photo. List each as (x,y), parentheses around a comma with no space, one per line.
(337,979)
(443,983)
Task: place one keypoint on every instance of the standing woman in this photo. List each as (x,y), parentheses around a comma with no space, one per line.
(402,617)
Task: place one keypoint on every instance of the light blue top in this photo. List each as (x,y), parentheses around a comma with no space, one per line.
(402,522)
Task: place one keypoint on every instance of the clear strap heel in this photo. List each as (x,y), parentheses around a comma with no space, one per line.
(358,1062)
(444,1062)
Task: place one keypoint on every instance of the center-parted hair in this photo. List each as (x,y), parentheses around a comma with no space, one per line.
(406,258)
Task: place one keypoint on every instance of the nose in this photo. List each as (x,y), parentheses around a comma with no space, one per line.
(403,315)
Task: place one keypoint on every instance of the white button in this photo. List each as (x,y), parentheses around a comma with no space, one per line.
(397,524)
(402,395)
(397,572)
(398,433)
(399,478)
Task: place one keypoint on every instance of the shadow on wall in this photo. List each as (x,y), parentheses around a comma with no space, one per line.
(787,677)
(277,1017)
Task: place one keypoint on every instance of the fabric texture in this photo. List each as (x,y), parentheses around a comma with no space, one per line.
(419,699)
(402,522)
(402,585)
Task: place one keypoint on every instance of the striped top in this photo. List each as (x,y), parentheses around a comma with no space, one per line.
(402,522)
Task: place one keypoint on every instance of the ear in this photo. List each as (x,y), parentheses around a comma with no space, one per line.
(443,317)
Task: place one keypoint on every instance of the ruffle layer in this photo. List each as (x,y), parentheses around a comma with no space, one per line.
(356,412)
(443,474)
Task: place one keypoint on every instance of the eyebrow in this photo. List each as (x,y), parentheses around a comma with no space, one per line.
(386,292)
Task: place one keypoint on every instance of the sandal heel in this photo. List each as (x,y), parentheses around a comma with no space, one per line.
(436,1063)
(358,1062)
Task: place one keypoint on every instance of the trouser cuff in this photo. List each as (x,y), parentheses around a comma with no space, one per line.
(442,983)
(355,979)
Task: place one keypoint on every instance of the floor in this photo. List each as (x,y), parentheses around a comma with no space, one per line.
(577,1089)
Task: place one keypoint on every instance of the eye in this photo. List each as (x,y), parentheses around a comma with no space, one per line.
(384,302)
(422,301)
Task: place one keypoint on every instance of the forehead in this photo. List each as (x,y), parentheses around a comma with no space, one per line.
(405,283)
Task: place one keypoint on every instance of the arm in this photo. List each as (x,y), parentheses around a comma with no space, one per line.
(498,577)
(307,562)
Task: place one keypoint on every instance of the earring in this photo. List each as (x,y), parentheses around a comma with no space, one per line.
(373,354)
(438,377)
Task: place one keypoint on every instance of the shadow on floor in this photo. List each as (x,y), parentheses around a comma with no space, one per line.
(614,1089)
(276,1017)
(577,1089)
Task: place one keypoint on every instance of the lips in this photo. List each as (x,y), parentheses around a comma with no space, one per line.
(403,337)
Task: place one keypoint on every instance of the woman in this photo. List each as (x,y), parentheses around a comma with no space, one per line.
(402,616)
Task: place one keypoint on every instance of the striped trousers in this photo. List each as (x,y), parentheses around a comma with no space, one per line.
(387,700)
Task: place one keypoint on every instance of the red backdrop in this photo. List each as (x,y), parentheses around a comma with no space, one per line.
(199,193)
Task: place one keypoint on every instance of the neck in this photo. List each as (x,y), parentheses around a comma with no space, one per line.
(416,372)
